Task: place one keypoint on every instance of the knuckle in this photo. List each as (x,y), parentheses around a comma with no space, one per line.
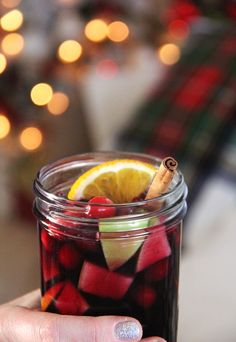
(49,331)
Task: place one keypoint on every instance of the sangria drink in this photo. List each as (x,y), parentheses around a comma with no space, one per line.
(110,252)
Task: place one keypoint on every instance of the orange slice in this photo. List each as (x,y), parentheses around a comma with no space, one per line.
(121,180)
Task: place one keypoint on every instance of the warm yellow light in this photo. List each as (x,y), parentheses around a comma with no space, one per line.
(3,63)
(12,44)
(96,30)
(5,126)
(69,51)
(41,94)
(58,104)
(10,3)
(31,138)
(169,54)
(12,20)
(118,31)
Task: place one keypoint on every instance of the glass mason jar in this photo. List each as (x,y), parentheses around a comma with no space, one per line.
(124,265)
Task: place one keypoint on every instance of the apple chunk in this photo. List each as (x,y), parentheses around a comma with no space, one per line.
(119,250)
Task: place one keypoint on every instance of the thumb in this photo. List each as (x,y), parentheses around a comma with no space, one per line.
(21,324)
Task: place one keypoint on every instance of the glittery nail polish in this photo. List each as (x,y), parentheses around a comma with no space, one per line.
(127,331)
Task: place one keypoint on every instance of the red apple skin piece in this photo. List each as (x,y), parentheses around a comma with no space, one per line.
(101,282)
(155,248)
(70,301)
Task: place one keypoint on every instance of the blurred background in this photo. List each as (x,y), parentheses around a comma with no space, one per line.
(154,76)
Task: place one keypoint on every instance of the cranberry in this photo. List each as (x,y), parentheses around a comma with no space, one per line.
(158,271)
(145,296)
(100,211)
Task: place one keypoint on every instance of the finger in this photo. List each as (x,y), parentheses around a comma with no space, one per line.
(21,324)
(30,300)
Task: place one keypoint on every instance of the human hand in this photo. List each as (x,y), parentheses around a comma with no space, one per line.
(21,320)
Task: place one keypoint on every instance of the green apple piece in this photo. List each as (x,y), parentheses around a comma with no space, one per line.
(119,250)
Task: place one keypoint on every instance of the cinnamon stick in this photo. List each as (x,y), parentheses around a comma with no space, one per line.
(163,178)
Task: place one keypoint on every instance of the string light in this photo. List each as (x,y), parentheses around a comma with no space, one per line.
(118,31)
(12,20)
(3,63)
(12,44)
(69,51)
(58,104)
(31,138)
(41,94)
(96,30)
(169,54)
(10,3)
(5,126)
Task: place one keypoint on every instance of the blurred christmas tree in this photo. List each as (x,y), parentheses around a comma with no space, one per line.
(46,49)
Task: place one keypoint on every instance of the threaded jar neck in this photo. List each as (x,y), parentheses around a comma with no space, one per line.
(54,180)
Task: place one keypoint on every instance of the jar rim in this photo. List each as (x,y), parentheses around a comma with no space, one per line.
(49,196)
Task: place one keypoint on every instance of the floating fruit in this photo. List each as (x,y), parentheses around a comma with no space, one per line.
(144,295)
(155,248)
(120,180)
(103,209)
(101,282)
(158,271)
(70,301)
(119,250)
(50,295)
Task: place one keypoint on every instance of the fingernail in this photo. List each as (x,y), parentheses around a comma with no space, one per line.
(127,331)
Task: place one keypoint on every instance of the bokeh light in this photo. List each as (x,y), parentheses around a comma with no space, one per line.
(41,94)
(58,104)
(3,63)
(107,68)
(5,126)
(10,3)
(31,138)
(178,28)
(96,30)
(169,54)
(12,20)
(118,31)
(69,51)
(12,44)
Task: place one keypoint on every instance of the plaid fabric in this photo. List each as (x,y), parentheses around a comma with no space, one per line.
(192,114)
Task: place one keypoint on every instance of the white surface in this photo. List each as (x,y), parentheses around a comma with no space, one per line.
(112,103)
(208,276)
